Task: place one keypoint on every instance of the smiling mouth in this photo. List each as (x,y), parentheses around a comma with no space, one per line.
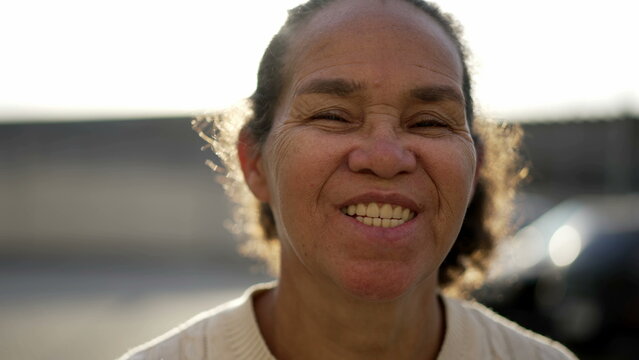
(379,214)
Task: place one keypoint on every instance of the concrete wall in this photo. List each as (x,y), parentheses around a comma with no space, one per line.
(116,189)
(594,156)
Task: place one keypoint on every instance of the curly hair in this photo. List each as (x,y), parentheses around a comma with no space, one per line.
(487,217)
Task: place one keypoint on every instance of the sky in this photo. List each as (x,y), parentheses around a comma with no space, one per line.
(88,59)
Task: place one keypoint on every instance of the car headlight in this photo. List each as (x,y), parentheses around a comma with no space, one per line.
(564,246)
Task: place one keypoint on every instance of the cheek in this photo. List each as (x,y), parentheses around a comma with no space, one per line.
(451,165)
(464,161)
(300,164)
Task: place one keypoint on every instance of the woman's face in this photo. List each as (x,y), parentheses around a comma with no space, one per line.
(371,121)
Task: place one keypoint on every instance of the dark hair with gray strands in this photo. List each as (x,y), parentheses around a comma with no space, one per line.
(487,217)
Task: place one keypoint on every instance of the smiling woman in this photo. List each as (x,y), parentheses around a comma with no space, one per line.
(377,190)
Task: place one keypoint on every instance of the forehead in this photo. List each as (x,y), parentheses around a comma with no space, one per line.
(391,35)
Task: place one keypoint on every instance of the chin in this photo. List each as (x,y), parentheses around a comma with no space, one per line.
(379,283)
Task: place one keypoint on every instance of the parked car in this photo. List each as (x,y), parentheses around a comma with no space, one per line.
(573,274)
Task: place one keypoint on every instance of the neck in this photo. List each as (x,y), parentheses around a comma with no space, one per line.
(310,319)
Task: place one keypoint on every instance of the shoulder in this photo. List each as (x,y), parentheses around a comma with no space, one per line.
(209,335)
(481,333)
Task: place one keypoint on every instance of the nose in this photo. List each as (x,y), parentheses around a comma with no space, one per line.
(383,154)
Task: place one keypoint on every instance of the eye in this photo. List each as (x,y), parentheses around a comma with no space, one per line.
(425,121)
(329,116)
(333,120)
(428,123)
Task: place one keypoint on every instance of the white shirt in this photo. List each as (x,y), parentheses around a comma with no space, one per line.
(230,331)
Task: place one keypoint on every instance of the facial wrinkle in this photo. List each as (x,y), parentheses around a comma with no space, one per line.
(451,77)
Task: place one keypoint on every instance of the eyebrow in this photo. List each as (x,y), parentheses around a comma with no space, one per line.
(431,94)
(338,87)
(343,88)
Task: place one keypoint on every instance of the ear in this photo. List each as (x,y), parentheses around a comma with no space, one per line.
(252,168)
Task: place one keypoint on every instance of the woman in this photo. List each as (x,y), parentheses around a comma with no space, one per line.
(364,155)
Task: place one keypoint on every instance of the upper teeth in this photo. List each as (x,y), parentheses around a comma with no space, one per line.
(384,215)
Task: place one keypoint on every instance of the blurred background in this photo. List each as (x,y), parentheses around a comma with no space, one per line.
(112,228)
